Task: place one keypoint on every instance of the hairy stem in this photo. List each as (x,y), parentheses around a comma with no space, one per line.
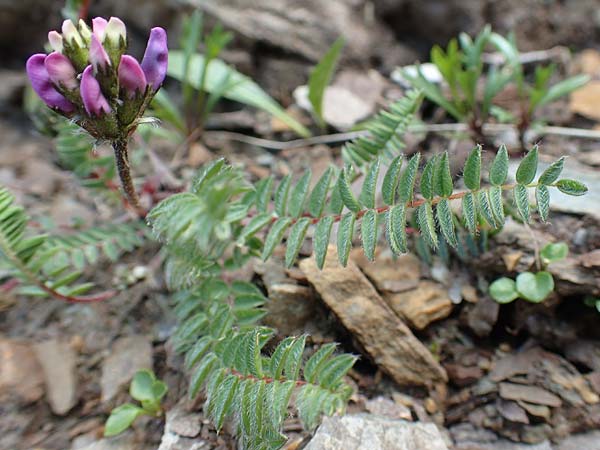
(122,160)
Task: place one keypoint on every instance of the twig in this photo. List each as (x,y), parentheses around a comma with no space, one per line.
(490,128)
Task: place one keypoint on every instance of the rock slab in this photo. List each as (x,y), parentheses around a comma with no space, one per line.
(20,372)
(369,432)
(58,361)
(365,314)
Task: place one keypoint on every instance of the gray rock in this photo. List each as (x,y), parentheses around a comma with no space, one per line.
(308,27)
(503,444)
(585,441)
(128,355)
(181,429)
(58,362)
(125,441)
(365,431)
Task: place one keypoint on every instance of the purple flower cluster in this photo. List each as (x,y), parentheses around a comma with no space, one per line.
(88,76)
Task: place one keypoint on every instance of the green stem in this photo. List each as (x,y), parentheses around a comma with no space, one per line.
(124,170)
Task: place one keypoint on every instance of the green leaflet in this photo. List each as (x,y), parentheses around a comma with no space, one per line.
(316,202)
(344,238)
(485,208)
(256,224)
(219,404)
(406,185)
(469,212)
(275,236)
(442,178)
(368,231)
(346,193)
(263,194)
(295,240)
(281,195)
(522,201)
(367,194)
(427,224)
(317,361)
(445,220)
(552,173)
(495,195)
(542,196)
(298,195)
(396,229)
(390,181)
(294,359)
(279,357)
(528,167)
(427,179)
(321,240)
(499,167)
(472,170)
(571,187)
(335,370)
(204,369)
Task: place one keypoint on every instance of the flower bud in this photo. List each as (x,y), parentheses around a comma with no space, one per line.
(98,56)
(61,71)
(84,31)
(93,100)
(99,27)
(56,41)
(71,35)
(115,31)
(156,57)
(132,79)
(42,84)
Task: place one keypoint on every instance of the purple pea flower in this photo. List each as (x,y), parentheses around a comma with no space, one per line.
(61,71)
(156,57)
(99,27)
(131,76)
(93,100)
(98,56)
(42,84)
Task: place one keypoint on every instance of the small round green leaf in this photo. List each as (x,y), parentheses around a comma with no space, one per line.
(535,287)
(121,418)
(504,290)
(554,252)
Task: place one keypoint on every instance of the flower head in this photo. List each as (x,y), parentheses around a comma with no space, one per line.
(89,74)
(131,76)
(42,84)
(61,71)
(156,56)
(94,101)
